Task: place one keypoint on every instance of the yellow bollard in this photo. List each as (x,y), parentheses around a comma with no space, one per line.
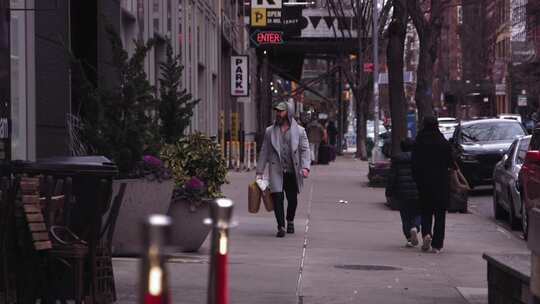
(247,156)
(254,151)
(228,154)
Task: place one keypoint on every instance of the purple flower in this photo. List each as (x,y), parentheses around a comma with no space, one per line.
(194,184)
(152,160)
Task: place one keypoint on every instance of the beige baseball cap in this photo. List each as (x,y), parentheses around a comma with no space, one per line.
(281,106)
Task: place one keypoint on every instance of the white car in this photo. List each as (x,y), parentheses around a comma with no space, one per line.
(510,116)
(447,124)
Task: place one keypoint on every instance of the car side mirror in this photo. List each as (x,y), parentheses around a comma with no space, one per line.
(533,157)
(507,164)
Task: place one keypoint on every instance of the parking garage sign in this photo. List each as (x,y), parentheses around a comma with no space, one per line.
(265,13)
(239,76)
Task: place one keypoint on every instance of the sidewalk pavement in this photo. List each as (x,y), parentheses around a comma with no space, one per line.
(341,253)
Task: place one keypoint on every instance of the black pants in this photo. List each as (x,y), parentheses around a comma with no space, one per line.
(291,190)
(428,213)
(409,220)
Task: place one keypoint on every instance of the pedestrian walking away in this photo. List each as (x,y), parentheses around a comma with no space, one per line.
(316,135)
(402,193)
(432,160)
(286,150)
(332,132)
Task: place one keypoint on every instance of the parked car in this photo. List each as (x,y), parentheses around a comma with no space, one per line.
(447,126)
(510,116)
(379,168)
(506,195)
(446,123)
(529,180)
(480,144)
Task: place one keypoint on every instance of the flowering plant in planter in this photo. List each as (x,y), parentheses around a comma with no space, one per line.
(151,168)
(192,191)
(198,168)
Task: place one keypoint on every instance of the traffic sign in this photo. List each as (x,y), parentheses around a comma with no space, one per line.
(522,100)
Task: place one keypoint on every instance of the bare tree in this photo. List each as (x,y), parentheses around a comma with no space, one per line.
(427,17)
(397,33)
(362,11)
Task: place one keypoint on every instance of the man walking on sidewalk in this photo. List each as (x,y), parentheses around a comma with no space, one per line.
(432,159)
(286,149)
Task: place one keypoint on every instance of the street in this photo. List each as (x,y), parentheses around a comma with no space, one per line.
(341,253)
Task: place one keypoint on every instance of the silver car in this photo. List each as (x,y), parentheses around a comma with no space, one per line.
(506,196)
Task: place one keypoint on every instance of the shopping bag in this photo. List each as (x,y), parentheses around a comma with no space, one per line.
(254,198)
(266,194)
(267,200)
(458,182)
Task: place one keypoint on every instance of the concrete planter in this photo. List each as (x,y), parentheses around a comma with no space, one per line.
(188,228)
(141,199)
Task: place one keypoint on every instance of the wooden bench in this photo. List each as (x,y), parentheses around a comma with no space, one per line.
(63,252)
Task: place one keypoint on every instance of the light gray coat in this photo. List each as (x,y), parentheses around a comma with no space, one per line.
(270,154)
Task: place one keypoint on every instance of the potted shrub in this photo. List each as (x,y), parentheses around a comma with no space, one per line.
(119,121)
(199,170)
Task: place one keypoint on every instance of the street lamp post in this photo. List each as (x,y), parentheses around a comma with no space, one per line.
(376,73)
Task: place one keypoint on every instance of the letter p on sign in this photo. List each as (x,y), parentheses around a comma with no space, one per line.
(258,17)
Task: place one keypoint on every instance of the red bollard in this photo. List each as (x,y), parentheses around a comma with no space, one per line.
(221,277)
(220,215)
(154,287)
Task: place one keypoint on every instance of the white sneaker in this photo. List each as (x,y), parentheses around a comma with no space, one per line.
(409,244)
(426,245)
(436,251)
(414,236)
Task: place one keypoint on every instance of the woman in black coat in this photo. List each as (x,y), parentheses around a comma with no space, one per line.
(432,160)
(402,193)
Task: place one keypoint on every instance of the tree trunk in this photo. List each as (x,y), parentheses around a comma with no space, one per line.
(395,53)
(424,86)
(361,132)
(428,26)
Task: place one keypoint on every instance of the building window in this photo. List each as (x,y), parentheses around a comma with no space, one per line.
(21,86)
(459,10)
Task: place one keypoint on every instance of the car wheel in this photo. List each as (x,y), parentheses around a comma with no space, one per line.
(515,224)
(497,209)
(524,221)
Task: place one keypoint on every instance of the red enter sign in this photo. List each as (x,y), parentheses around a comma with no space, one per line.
(269,38)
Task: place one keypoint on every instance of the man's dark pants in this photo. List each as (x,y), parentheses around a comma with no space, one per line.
(290,189)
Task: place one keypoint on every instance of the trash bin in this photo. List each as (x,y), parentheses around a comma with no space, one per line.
(86,173)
